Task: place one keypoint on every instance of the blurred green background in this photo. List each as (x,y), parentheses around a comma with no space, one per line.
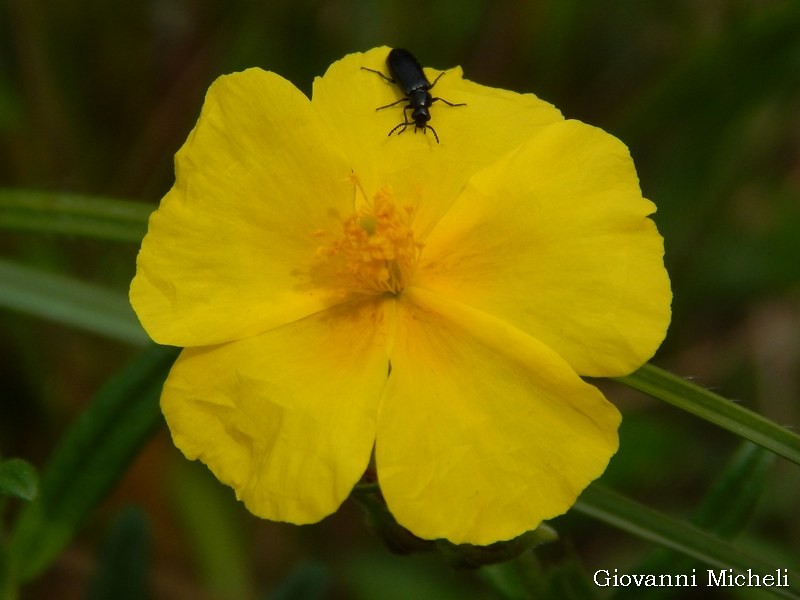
(95,98)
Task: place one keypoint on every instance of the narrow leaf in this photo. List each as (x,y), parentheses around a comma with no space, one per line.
(18,478)
(70,302)
(625,514)
(89,461)
(73,214)
(715,409)
(567,580)
(308,581)
(8,590)
(724,511)
(516,579)
(211,520)
(122,566)
(729,503)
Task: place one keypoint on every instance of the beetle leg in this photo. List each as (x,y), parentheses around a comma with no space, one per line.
(448,102)
(392,104)
(389,79)
(438,77)
(405,122)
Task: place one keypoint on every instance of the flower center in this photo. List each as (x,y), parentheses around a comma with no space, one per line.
(376,253)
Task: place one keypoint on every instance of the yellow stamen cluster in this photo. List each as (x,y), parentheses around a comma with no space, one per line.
(377,252)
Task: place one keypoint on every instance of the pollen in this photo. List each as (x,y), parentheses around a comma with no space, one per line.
(375,252)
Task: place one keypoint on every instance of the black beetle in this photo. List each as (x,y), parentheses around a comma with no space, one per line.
(408,75)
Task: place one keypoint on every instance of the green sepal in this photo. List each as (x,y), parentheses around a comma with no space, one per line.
(469,556)
(463,556)
(396,537)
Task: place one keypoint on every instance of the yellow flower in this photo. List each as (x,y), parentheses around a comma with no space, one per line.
(339,291)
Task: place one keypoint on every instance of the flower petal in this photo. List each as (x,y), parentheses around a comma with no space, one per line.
(224,254)
(555,240)
(351,100)
(483,432)
(286,418)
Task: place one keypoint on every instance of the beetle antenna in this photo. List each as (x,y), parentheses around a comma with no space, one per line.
(433,130)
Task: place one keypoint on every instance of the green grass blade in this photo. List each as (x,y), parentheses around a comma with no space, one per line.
(89,461)
(122,570)
(516,579)
(8,590)
(73,214)
(211,519)
(730,502)
(715,409)
(724,511)
(65,300)
(307,581)
(625,514)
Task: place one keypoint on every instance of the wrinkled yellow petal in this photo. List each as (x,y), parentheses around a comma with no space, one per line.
(483,432)
(286,418)
(288,220)
(227,253)
(424,174)
(555,240)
